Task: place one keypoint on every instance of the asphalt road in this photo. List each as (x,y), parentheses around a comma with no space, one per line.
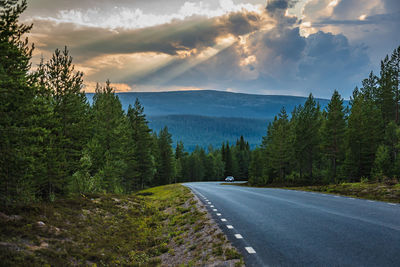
(296,228)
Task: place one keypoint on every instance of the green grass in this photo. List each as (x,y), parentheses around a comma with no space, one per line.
(143,229)
(373,191)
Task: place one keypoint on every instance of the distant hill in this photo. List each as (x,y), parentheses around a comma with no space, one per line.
(212,103)
(201,130)
(211,117)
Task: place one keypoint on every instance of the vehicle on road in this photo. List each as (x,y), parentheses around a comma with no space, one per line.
(229,179)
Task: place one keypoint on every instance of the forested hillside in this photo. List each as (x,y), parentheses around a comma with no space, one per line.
(203,131)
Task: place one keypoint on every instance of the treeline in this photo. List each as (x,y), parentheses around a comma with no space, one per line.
(53,143)
(215,164)
(359,142)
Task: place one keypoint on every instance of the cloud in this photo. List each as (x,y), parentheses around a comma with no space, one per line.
(194,33)
(224,45)
(130,17)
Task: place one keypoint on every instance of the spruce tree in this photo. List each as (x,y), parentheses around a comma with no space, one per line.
(333,133)
(141,167)
(108,145)
(279,148)
(364,134)
(307,136)
(165,169)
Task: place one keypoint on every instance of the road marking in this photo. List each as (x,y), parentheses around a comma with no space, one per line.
(212,206)
(336,196)
(218,214)
(352,198)
(393,204)
(250,250)
(214,209)
(229,226)
(370,201)
(208,203)
(223,220)
(238,236)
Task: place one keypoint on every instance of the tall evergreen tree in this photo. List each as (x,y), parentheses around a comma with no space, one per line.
(364,133)
(279,147)
(17,127)
(387,91)
(71,125)
(307,136)
(333,132)
(107,147)
(229,168)
(142,165)
(165,169)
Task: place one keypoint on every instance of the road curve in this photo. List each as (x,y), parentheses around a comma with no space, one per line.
(296,228)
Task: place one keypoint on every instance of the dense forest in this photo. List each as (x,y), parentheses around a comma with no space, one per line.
(337,144)
(53,143)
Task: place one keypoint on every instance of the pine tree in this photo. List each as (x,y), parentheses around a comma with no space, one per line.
(278,146)
(387,91)
(107,147)
(382,164)
(229,168)
(70,127)
(334,130)
(17,107)
(165,170)
(364,133)
(141,166)
(307,136)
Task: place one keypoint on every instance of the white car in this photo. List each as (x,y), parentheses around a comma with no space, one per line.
(229,179)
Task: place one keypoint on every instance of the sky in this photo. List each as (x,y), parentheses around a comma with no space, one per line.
(279,47)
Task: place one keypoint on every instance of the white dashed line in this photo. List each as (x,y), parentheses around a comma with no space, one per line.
(336,196)
(212,206)
(229,226)
(214,209)
(250,250)
(223,220)
(370,201)
(238,236)
(218,214)
(393,204)
(351,198)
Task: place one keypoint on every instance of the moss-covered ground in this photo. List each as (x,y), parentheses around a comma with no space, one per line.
(161,226)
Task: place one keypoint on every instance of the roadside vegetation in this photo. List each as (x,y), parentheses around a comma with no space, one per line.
(372,191)
(161,226)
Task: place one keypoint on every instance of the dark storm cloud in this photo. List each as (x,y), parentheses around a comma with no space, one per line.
(286,43)
(331,62)
(274,5)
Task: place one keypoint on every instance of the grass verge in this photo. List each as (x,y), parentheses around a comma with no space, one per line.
(376,191)
(372,191)
(161,226)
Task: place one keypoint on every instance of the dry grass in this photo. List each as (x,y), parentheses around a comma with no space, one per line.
(162,226)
